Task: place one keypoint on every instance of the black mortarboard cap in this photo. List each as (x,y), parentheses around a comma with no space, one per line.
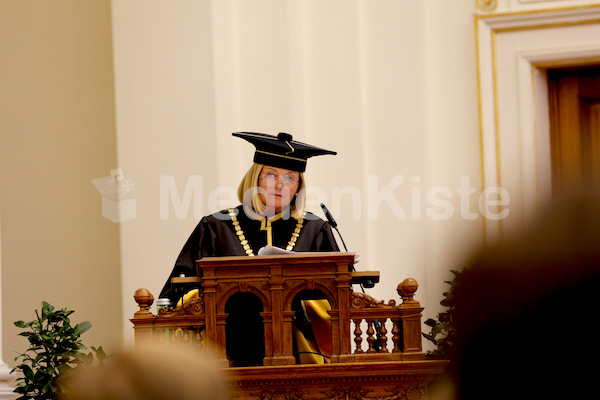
(281,151)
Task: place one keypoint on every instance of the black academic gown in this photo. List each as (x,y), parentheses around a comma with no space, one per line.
(215,236)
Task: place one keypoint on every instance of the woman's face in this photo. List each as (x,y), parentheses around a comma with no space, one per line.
(277,187)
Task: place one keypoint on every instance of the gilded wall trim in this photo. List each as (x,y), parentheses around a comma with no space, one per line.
(486,5)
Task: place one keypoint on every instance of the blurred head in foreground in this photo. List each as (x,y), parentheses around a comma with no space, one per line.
(149,373)
(525,310)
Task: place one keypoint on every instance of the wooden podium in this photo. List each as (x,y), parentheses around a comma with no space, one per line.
(276,281)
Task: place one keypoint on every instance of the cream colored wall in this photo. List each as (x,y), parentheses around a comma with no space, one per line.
(166,128)
(57,133)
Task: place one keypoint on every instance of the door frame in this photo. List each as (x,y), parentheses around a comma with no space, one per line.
(513,52)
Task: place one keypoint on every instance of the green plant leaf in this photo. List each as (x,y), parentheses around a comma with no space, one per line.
(100,354)
(430,338)
(82,328)
(22,324)
(437,329)
(46,309)
(445,303)
(27,372)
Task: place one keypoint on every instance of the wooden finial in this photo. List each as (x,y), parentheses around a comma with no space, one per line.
(144,299)
(407,290)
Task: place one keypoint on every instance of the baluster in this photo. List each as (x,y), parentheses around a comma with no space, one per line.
(383,337)
(198,337)
(160,335)
(370,338)
(186,337)
(174,337)
(396,336)
(358,336)
(164,335)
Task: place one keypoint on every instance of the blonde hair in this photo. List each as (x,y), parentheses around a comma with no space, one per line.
(248,192)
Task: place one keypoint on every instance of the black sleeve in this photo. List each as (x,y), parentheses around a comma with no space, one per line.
(316,235)
(200,243)
(325,241)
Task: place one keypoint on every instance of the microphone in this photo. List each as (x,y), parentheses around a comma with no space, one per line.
(329,216)
(333,223)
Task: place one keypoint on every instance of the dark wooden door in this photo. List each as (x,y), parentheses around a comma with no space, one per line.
(574,95)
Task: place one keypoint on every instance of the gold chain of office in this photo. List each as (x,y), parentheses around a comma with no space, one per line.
(240,233)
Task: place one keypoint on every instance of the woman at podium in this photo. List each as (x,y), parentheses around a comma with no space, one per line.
(271,214)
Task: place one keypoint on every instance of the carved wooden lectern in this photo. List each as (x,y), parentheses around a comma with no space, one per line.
(275,281)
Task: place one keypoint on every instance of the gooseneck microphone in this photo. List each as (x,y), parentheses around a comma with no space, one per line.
(334,226)
(333,223)
(328,216)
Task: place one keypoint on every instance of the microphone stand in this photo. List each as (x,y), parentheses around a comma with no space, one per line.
(333,224)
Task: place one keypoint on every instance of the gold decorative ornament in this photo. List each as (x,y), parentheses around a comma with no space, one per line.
(296,233)
(239,232)
(487,5)
(244,241)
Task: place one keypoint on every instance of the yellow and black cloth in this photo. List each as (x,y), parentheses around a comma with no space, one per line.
(312,332)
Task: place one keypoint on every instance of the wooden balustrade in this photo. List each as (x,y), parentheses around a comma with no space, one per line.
(382,331)
(385,331)
(184,325)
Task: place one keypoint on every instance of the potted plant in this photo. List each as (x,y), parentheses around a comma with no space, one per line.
(54,353)
(442,329)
